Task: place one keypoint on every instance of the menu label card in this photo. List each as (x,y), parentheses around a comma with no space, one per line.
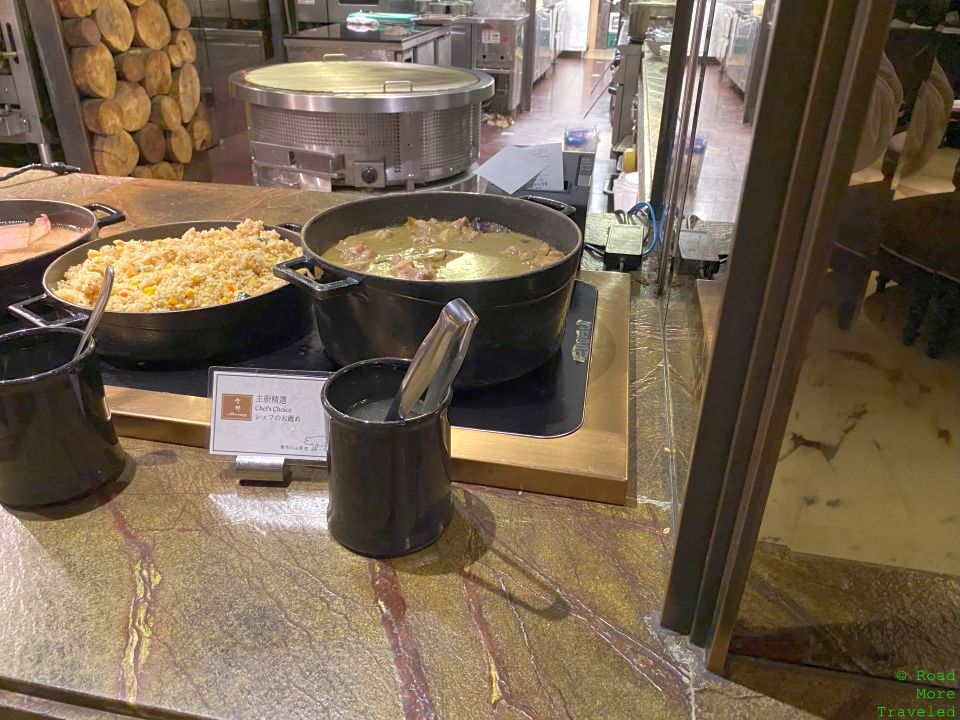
(259,412)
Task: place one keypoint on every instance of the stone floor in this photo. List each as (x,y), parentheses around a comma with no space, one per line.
(728,139)
(564,96)
(871,447)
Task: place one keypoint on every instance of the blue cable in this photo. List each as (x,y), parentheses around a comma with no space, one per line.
(654,226)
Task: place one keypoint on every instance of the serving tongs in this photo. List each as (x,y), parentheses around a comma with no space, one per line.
(436,362)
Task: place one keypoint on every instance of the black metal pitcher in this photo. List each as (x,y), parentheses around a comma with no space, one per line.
(389,480)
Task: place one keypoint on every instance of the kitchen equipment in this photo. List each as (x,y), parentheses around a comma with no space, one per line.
(445,7)
(498,44)
(388,42)
(222,51)
(549,402)
(57,440)
(743,33)
(27,117)
(308,13)
(623,88)
(103,297)
(204,10)
(437,361)
(560,22)
(22,280)
(340,10)
(754,66)
(178,337)
(209,9)
(389,480)
(577,183)
(362,124)
(547,20)
(383,18)
(461,38)
(362,316)
(248,9)
(720,34)
(643,13)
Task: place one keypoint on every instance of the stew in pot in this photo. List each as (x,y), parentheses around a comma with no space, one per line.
(442,250)
(21,241)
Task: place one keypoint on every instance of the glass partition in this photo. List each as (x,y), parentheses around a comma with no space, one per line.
(858,564)
(697,191)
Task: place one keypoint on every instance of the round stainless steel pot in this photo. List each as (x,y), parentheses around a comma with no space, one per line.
(361,123)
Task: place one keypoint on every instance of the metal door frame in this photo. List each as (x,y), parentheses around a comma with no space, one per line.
(670,112)
(811,110)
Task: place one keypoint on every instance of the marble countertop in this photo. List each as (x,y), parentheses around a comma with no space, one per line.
(177,593)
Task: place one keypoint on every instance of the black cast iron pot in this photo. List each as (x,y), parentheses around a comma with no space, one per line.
(179,338)
(22,280)
(362,316)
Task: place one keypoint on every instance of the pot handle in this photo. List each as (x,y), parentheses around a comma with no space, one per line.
(112,217)
(21,310)
(560,207)
(608,186)
(294,227)
(321,291)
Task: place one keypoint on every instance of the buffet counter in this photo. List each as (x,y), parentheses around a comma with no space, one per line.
(176,592)
(585,457)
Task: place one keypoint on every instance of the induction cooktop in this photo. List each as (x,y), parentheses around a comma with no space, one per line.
(549,402)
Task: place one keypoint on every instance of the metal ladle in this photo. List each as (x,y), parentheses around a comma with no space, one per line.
(98,307)
(436,362)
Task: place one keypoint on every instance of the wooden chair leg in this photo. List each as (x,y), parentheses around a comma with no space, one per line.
(918,311)
(946,301)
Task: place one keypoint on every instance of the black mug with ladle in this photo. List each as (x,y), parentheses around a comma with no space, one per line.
(57,439)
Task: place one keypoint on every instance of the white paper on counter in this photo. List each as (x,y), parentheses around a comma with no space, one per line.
(551,177)
(511,169)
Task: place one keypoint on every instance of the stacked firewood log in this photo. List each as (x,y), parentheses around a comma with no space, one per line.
(133,64)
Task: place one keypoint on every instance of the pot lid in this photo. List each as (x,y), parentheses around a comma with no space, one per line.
(360,85)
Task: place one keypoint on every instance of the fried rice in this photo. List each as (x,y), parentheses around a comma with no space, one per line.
(199,269)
